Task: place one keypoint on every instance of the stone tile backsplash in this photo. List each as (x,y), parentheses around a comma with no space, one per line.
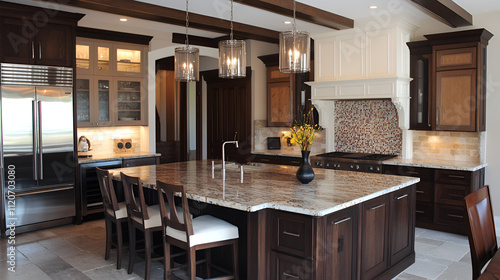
(262,131)
(460,146)
(102,138)
(367,126)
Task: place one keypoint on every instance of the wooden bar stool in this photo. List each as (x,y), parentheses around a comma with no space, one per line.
(480,229)
(142,217)
(114,213)
(203,232)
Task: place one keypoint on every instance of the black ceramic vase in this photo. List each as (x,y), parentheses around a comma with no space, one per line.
(305,174)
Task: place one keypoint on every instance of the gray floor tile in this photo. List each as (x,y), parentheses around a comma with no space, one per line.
(456,271)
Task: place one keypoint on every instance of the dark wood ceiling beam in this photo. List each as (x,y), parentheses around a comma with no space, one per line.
(172,16)
(303,12)
(180,38)
(448,11)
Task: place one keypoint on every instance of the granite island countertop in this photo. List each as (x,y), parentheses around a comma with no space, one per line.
(281,152)
(100,157)
(270,186)
(436,163)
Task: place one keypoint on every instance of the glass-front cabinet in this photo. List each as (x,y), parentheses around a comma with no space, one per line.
(93,109)
(421,113)
(110,83)
(130,101)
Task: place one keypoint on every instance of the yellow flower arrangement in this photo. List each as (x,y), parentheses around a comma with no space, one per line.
(303,131)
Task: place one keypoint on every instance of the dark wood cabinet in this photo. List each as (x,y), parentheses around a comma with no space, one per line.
(30,35)
(270,159)
(285,267)
(448,91)
(374,237)
(341,244)
(401,224)
(440,195)
(140,161)
(287,95)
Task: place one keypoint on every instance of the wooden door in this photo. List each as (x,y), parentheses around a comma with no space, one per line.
(401,224)
(16,41)
(456,100)
(374,243)
(55,45)
(280,104)
(229,116)
(341,244)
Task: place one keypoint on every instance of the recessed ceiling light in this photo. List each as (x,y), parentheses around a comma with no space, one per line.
(287,22)
(373,7)
(123,19)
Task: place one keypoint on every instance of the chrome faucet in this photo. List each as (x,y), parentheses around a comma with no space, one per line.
(224,154)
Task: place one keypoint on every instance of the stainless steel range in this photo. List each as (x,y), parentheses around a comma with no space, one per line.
(350,161)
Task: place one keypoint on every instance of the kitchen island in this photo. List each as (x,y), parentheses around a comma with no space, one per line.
(342,225)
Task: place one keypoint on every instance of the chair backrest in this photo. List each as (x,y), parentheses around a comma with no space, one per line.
(168,191)
(132,187)
(481,229)
(107,190)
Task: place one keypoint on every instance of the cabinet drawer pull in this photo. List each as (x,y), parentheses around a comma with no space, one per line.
(420,212)
(455,195)
(401,197)
(412,172)
(39,50)
(265,160)
(32,49)
(456,176)
(455,216)
(290,275)
(341,221)
(291,234)
(419,191)
(376,207)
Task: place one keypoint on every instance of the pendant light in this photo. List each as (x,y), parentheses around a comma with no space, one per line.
(232,56)
(294,50)
(187,58)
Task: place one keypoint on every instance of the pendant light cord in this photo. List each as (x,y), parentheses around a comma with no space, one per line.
(294,26)
(231,35)
(187,23)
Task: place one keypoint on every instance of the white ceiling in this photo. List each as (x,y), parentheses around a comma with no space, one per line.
(354,9)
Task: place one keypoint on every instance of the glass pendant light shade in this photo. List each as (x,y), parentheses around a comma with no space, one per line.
(232,59)
(294,52)
(187,64)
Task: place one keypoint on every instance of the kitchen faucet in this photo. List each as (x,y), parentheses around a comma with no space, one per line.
(224,154)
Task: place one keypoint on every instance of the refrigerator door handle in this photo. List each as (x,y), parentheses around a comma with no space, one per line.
(40,145)
(35,165)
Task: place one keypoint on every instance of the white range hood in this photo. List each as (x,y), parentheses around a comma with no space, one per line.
(376,67)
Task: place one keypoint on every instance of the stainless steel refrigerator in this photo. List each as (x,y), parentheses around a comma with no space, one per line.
(37,142)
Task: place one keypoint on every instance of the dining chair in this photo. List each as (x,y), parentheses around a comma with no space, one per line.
(140,217)
(114,213)
(480,229)
(202,232)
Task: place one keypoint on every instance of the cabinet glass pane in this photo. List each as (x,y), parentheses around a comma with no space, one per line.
(422,90)
(82,57)
(129,101)
(103,58)
(128,60)
(103,100)
(83,100)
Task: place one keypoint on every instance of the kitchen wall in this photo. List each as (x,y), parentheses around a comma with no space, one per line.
(102,139)
(367,126)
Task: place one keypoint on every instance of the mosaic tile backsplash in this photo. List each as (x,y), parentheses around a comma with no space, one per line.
(442,145)
(367,126)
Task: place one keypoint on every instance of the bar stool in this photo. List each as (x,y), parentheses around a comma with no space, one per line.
(480,229)
(114,213)
(203,232)
(142,217)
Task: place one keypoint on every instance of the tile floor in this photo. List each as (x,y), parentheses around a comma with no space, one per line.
(77,252)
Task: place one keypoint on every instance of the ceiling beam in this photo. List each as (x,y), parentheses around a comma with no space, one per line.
(172,16)
(448,11)
(303,12)
(180,38)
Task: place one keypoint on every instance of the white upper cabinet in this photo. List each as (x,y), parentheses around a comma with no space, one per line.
(363,55)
